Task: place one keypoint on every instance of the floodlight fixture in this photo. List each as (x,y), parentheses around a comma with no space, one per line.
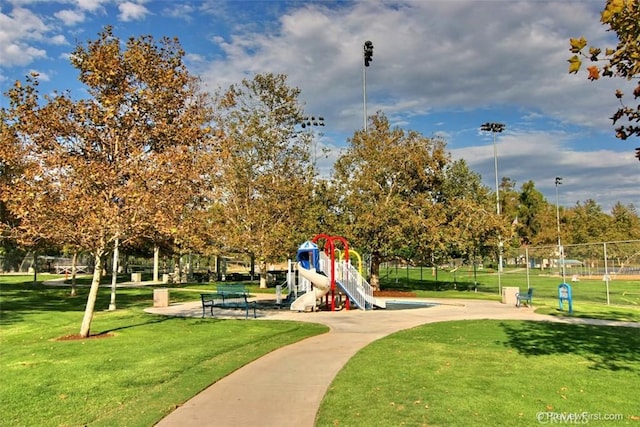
(368,52)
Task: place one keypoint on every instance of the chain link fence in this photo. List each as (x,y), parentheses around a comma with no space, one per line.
(608,262)
(589,260)
(601,273)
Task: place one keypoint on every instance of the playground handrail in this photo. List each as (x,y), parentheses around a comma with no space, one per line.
(356,286)
(345,278)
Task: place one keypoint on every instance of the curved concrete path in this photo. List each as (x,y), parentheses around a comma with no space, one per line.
(285,387)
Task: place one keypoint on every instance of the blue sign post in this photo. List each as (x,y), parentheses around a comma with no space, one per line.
(564,294)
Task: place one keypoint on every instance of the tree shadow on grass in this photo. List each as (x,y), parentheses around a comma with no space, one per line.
(150,321)
(110,332)
(17,300)
(606,347)
(155,319)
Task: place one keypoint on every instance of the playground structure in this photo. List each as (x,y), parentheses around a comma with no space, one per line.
(328,275)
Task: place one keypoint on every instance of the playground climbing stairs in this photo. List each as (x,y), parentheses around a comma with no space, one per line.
(351,282)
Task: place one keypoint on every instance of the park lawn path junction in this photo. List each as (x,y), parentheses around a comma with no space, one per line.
(285,387)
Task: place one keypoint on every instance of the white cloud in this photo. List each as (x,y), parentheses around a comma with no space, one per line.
(90,5)
(17,30)
(194,58)
(130,11)
(180,10)
(59,40)
(70,17)
(20,54)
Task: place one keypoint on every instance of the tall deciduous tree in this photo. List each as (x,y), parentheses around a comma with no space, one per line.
(623,60)
(508,199)
(473,227)
(389,181)
(625,223)
(109,167)
(587,222)
(266,176)
(12,164)
(531,204)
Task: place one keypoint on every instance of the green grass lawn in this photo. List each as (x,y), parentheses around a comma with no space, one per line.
(455,373)
(138,371)
(490,373)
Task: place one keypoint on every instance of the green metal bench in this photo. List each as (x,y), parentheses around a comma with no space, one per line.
(525,298)
(228,297)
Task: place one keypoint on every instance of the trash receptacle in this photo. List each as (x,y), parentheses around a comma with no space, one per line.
(136,277)
(509,295)
(161,297)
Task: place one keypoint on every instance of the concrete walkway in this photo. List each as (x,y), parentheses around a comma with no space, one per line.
(285,387)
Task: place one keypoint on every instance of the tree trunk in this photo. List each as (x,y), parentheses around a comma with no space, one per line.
(189,267)
(35,267)
(85,329)
(263,275)
(156,262)
(74,263)
(114,274)
(374,281)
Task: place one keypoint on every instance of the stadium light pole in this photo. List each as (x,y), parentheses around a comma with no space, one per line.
(496,128)
(311,122)
(368,57)
(560,248)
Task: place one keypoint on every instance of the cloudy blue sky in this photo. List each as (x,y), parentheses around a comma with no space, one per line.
(439,67)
